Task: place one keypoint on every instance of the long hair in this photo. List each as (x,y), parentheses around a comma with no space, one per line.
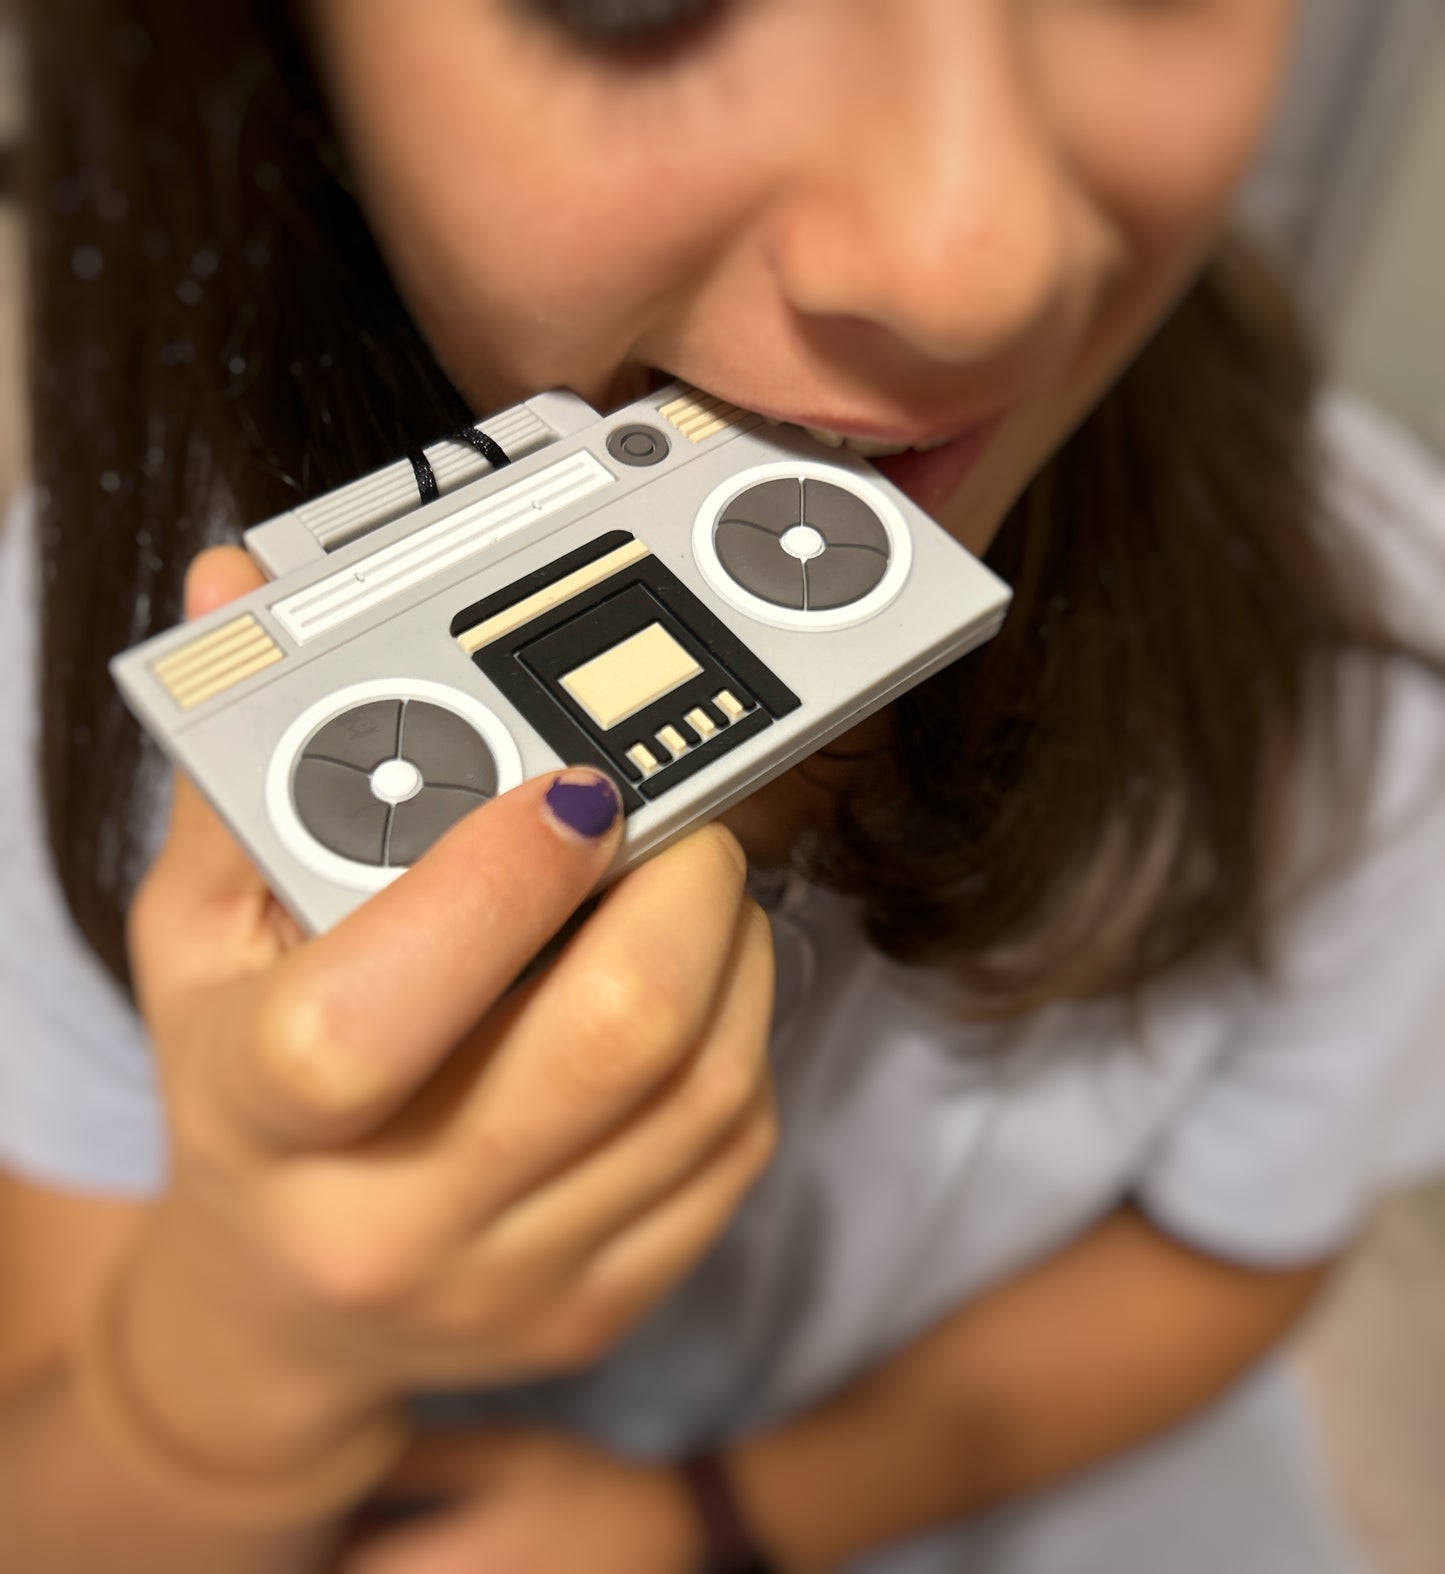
(1093,798)
(1114,787)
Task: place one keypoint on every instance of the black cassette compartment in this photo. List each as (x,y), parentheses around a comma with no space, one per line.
(528,663)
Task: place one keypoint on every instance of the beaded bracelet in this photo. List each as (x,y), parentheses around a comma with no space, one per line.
(731,1548)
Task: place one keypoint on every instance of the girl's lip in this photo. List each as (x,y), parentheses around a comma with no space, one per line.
(927,477)
(935,437)
(930,479)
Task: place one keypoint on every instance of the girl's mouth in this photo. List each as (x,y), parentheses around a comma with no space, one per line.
(927,469)
(931,477)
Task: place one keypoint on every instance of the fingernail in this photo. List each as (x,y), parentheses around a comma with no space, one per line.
(585,802)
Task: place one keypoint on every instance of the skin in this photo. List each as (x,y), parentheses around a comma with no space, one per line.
(921,214)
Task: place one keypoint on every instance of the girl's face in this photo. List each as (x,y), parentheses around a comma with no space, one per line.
(911,221)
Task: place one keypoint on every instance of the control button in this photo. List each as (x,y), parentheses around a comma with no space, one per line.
(701,723)
(672,740)
(446,749)
(637,445)
(802,542)
(394,781)
(420,821)
(756,560)
(842,576)
(643,758)
(336,804)
(773,506)
(729,704)
(363,736)
(843,518)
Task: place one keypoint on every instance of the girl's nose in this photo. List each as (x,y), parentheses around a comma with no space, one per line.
(933,202)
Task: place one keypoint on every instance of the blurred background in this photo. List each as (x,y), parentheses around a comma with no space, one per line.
(1353,191)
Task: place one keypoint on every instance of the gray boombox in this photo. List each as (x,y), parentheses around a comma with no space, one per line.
(679,593)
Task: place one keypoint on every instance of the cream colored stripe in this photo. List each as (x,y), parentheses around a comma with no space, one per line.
(694,399)
(473,639)
(685,410)
(216,661)
(699,417)
(201,650)
(189,698)
(219,671)
(700,434)
(199,671)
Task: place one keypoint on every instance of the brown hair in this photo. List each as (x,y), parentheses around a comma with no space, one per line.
(1114,786)
(1093,798)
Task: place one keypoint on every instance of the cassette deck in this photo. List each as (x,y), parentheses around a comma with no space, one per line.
(678,593)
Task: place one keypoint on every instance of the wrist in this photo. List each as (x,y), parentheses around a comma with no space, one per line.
(224,1366)
(790,1499)
(725,1541)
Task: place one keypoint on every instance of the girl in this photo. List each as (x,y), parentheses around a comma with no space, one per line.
(1099,958)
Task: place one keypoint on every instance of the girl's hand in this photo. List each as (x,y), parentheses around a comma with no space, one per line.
(386,1175)
(531,1502)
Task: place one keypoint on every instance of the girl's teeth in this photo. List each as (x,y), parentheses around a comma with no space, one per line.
(864,447)
(867,447)
(829,439)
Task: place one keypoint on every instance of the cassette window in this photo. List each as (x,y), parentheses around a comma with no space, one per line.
(615,662)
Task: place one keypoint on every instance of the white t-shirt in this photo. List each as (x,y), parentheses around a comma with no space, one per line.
(919,1163)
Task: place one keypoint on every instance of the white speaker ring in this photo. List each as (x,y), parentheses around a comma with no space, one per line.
(299,840)
(889,517)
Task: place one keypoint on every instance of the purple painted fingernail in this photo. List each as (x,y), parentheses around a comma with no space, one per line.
(585,802)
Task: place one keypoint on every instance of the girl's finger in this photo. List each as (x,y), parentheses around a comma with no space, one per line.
(693,1115)
(219,575)
(444,1464)
(626,1005)
(633,1272)
(203,862)
(201,915)
(203,894)
(206,855)
(352,1025)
